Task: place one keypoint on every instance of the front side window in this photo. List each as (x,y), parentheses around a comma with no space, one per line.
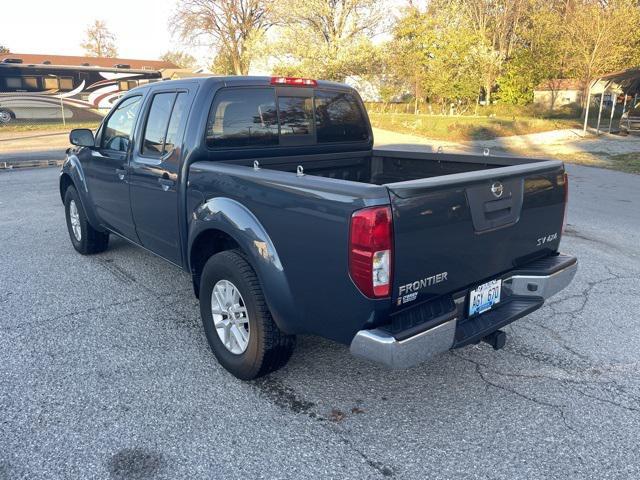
(156,128)
(119,126)
(243,117)
(296,115)
(339,117)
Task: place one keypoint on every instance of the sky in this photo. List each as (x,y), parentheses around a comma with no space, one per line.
(37,26)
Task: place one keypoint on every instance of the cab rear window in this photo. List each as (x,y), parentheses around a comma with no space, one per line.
(254,117)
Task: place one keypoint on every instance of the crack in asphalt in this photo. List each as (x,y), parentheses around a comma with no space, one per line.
(557,408)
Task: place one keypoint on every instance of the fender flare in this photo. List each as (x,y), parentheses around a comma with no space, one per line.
(72,169)
(238,222)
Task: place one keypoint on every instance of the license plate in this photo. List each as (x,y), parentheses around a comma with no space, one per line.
(484,297)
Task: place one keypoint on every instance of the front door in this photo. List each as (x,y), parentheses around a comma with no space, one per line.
(107,171)
(154,174)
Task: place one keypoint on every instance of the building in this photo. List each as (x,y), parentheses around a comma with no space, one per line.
(72,60)
(558,92)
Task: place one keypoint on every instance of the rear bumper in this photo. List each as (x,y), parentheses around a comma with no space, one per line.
(525,291)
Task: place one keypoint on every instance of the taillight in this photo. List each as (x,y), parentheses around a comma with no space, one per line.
(566,201)
(371,251)
(294,81)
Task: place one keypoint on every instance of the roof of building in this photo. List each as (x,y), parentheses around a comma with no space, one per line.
(37,58)
(556,84)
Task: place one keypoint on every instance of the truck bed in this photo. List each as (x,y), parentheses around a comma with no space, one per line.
(447,219)
(382,167)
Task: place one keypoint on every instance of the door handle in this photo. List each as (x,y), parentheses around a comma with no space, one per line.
(166,183)
(121,173)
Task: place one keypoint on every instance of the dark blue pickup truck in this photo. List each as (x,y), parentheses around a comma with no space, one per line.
(269,193)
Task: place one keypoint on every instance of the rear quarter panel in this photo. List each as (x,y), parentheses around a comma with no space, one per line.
(307,220)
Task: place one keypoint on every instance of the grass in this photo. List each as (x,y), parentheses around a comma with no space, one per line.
(626,162)
(461,128)
(19,127)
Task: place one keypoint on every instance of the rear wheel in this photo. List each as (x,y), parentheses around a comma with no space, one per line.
(239,327)
(84,238)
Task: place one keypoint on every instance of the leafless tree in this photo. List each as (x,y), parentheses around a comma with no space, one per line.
(228,26)
(100,41)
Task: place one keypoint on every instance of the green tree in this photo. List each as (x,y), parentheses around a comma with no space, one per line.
(100,42)
(230,27)
(540,54)
(328,39)
(180,59)
(602,37)
(441,57)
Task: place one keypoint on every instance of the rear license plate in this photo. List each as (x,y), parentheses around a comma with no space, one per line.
(484,297)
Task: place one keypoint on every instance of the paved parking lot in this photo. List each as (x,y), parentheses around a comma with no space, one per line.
(105,371)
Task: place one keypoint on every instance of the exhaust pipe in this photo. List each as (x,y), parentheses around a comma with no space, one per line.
(496,339)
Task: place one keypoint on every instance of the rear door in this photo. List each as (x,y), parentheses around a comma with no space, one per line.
(154,173)
(461,230)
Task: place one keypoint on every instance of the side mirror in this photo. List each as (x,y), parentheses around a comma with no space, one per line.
(82,137)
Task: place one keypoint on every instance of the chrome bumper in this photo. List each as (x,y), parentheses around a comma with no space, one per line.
(380,346)
(540,286)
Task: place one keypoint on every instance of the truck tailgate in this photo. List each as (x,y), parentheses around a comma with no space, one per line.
(458,231)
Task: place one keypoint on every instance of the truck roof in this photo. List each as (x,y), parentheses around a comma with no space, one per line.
(237,80)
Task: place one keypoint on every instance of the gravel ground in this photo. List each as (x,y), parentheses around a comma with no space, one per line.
(105,371)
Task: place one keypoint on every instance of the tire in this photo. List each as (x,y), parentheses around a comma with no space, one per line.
(5,116)
(267,348)
(84,238)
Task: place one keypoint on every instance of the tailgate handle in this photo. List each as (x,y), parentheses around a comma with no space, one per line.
(496,205)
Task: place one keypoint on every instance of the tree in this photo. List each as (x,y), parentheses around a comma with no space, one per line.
(231,27)
(100,41)
(497,23)
(328,39)
(539,55)
(440,55)
(602,37)
(4,49)
(180,59)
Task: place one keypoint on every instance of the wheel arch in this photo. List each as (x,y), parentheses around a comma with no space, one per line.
(223,224)
(72,174)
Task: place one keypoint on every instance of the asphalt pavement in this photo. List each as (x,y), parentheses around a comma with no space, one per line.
(105,371)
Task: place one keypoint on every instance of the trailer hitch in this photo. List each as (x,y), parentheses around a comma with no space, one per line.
(496,339)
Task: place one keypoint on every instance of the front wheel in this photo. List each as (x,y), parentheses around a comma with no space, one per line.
(5,116)
(237,322)
(84,238)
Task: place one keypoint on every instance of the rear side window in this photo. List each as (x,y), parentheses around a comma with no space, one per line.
(178,113)
(243,117)
(165,117)
(338,117)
